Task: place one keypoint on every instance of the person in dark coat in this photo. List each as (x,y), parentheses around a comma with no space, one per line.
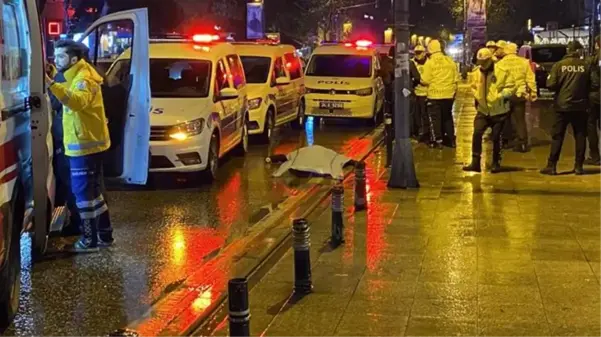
(594,111)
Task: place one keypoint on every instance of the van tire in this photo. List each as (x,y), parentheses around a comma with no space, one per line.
(39,245)
(269,126)
(377,117)
(210,172)
(299,122)
(11,274)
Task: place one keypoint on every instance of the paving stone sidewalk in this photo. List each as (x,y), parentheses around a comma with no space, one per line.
(511,254)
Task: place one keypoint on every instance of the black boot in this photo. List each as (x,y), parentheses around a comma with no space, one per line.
(578,169)
(474,166)
(593,161)
(495,167)
(550,170)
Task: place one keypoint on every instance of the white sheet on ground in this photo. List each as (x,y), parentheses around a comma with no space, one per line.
(315,159)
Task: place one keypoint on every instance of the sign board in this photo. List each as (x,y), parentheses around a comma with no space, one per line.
(254,21)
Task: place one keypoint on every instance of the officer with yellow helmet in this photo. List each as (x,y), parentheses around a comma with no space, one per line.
(500,52)
(525,81)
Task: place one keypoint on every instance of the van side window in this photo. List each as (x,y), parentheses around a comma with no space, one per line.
(13,53)
(278,70)
(221,80)
(237,70)
(108,42)
(294,66)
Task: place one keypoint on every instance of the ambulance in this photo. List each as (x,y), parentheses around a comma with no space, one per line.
(343,81)
(26,151)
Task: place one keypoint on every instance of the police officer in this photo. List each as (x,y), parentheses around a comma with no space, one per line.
(594,111)
(569,79)
(493,86)
(440,75)
(86,137)
(420,117)
(525,91)
(500,51)
(492,46)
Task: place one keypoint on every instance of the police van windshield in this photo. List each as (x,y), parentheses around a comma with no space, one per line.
(340,66)
(256,68)
(179,78)
(548,54)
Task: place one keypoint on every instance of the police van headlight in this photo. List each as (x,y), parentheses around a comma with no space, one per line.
(365,92)
(254,103)
(186,130)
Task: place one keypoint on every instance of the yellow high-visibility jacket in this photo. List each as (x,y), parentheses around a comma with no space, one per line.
(420,89)
(493,90)
(440,76)
(84,120)
(523,75)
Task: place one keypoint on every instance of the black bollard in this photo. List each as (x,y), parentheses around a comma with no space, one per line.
(239,311)
(337,213)
(302,257)
(360,198)
(389,138)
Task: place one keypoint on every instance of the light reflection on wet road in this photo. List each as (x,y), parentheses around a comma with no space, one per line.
(164,233)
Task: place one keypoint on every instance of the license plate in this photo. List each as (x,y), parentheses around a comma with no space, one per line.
(331,105)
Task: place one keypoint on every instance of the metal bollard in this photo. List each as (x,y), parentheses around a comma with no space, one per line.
(239,311)
(360,199)
(389,138)
(302,257)
(337,213)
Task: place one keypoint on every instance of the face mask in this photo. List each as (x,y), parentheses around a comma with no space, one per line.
(420,56)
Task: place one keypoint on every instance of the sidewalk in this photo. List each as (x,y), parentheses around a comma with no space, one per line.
(511,254)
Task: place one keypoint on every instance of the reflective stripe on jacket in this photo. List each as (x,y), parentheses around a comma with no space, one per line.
(440,76)
(84,121)
(420,90)
(519,67)
(493,90)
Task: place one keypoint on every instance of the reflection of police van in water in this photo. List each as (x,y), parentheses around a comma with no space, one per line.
(26,150)
(343,81)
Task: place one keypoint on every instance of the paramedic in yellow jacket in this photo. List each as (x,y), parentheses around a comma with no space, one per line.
(86,137)
(440,76)
(420,118)
(525,82)
(493,86)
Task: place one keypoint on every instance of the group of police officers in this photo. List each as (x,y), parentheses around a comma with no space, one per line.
(502,84)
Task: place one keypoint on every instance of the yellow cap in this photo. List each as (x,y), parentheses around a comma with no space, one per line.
(434,47)
(491,44)
(484,54)
(419,47)
(501,44)
(511,48)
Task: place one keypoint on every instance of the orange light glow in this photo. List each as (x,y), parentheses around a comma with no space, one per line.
(205,38)
(364,43)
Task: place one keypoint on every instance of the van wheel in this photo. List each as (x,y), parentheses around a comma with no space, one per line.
(269,127)
(210,173)
(299,122)
(10,276)
(242,148)
(377,118)
(40,243)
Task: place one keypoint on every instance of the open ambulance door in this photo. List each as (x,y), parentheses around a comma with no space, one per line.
(126,98)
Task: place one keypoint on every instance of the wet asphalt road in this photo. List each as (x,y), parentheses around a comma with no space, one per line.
(164,232)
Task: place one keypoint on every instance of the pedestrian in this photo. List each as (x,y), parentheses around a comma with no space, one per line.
(86,137)
(420,118)
(569,79)
(525,82)
(493,86)
(440,76)
(594,111)
(387,73)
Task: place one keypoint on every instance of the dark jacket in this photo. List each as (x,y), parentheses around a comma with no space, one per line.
(387,72)
(595,85)
(570,80)
(57,121)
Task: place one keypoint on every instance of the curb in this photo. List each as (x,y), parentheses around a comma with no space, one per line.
(197,300)
(218,316)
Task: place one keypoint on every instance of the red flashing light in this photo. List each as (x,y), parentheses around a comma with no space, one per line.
(348,44)
(54,28)
(289,65)
(364,43)
(205,38)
